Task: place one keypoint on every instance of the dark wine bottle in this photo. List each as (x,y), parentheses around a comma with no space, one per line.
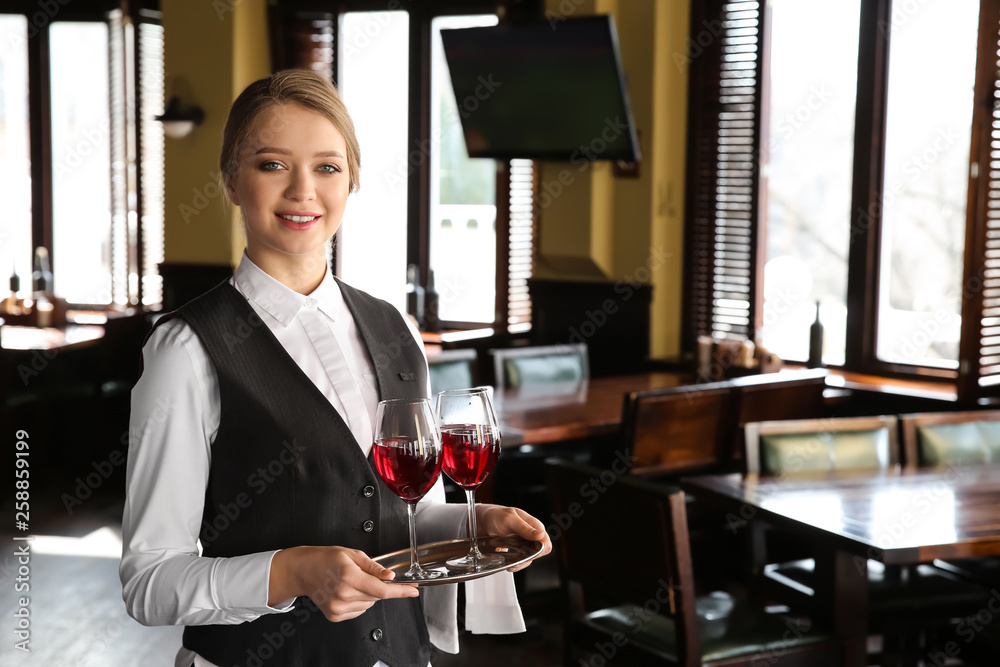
(431,321)
(41,277)
(816,342)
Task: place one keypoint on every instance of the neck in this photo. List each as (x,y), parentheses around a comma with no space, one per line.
(301,273)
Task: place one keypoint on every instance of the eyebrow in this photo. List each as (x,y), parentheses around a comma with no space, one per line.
(282,151)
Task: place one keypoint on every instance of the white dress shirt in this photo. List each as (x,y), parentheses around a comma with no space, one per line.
(176,411)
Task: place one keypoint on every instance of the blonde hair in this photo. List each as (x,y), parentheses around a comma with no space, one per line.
(305,88)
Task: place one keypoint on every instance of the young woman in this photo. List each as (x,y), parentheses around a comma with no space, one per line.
(252,428)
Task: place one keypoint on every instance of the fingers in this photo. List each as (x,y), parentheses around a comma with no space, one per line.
(372,580)
(499,520)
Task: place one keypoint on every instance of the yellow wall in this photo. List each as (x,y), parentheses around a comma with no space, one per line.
(212,50)
(594,226)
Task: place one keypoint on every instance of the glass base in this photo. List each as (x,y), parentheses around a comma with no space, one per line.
(474,563)
(418,575)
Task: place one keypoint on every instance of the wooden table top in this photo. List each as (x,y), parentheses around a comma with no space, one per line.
(895,516)
(592,409)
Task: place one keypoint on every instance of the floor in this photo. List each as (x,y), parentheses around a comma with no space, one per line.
(76,617)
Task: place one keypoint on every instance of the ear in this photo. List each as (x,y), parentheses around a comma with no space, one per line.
(231,191)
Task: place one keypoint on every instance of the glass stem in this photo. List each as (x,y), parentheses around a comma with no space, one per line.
(474,549)
(411,512)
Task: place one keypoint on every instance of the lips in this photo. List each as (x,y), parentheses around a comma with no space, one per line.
(297,216)
(298,220)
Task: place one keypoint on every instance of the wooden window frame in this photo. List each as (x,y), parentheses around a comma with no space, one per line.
(40,113)
(422,12)
(866,196)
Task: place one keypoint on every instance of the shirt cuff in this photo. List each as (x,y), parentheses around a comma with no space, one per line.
(241,583)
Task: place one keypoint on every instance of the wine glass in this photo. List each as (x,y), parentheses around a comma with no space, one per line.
(470,438)
(407,453)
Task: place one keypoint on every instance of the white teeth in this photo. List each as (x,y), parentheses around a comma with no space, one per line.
(298,218)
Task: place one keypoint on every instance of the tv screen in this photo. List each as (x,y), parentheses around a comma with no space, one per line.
(542,91)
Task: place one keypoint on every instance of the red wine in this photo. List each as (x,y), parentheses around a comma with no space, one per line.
(400,465)
(468,459)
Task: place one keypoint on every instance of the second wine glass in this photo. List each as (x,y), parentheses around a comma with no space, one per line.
(470,443)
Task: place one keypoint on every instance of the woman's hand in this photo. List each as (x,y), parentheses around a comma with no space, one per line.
(500,520)
(343,583)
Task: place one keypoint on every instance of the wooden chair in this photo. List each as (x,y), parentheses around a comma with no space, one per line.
(678,429)
(775,396)
(957,439)
(452,369)
(961,438)
(904,602)
(627,573)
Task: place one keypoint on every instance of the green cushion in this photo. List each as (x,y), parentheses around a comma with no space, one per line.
(450,375)
(956,443)
(543,369)
(747,632)
(826,450)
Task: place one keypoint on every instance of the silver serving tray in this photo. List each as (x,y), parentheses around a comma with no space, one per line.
(434,556)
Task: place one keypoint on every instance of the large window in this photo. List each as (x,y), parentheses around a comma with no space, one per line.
(463,198)
(850,166)
(926,183)
(423,202)
(15,163)
(83,195)
(81,161)
(807,161)
(374,46)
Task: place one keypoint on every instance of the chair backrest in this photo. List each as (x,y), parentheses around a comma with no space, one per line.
(624,538)
(937,438)
(677,429)
(517,367)
(822,444)
(452,369)
(774,396)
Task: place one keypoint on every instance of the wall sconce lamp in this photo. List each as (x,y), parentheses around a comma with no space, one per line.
(179,119)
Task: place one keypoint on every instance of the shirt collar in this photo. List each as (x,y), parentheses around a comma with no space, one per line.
(281,302)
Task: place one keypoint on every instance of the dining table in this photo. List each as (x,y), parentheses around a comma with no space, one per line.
(568,411)
(899,516)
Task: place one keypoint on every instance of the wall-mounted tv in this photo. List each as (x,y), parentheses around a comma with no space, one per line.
(543,91)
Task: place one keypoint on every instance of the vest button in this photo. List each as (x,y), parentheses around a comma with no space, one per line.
(369,491)
(377,634)
(368,526)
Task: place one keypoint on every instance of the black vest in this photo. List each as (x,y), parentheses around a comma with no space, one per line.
(286,471)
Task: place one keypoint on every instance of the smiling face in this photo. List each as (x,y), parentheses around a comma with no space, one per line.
(291,185)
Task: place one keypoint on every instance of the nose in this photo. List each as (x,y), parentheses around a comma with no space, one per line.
(301,186)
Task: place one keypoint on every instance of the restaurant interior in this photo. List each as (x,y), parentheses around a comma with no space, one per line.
(731,268)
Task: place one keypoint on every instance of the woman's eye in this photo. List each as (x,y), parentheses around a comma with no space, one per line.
(329,169)
(270,165)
